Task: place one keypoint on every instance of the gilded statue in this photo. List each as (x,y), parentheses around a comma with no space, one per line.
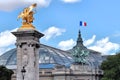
(27,14)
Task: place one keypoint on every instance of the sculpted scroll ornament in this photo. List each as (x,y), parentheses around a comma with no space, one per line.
(25,57)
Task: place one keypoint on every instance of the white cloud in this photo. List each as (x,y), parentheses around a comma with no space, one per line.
(90,41)
(71,1)
(8,5)
(105,46)
(6,39)
(53,32)
(116,34)
(66,45)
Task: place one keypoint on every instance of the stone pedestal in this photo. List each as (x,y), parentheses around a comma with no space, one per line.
(27,54)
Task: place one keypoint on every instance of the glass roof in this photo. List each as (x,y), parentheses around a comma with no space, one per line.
(49,57)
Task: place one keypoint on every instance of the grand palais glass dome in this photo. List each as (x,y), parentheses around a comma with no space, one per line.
(50,57)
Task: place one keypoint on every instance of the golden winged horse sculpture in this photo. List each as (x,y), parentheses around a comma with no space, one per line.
(27,14)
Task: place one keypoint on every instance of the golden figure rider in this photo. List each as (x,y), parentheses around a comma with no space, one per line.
(27,17)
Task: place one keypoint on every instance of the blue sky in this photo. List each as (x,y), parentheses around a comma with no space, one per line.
(59,21)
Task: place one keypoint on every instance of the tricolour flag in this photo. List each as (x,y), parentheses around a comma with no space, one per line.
(83,23)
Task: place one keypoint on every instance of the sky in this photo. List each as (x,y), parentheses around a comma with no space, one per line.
(59,21)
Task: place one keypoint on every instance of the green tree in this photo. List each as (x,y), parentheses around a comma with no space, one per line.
(5,74)
(111,67)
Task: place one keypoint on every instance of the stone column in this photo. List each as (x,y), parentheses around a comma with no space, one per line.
(28,54)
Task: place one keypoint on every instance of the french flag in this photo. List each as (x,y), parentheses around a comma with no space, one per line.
(83,23)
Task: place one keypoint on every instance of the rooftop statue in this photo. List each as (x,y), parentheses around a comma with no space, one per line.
(27,15)
(80,55)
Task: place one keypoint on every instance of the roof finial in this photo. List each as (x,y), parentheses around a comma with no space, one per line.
(79,42)
(79,39)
